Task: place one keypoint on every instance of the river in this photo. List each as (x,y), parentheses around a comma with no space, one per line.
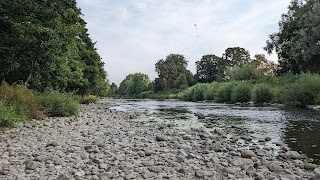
(298,128)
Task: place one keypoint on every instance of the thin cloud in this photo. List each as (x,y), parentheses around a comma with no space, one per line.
(132,35)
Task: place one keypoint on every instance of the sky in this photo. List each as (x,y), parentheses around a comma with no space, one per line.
(132,35)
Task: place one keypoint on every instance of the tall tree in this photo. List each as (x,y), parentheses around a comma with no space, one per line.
(209,68)
(236,56)
(262,65)
(134,84)
(298,41)
(170,69)
(44,44)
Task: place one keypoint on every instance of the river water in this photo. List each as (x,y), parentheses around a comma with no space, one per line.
(299,129)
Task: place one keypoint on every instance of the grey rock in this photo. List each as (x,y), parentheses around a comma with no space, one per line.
(273,167)
(268,138)
(80,173)
(131,176)
(160,138)
(58,161)
(247,154)
(32,165)
(240,162)
(199,115)
(155,169)
(148,152)
(199,174)
(293,155)
(229,171)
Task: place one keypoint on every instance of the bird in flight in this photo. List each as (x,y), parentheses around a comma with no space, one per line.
(195,24)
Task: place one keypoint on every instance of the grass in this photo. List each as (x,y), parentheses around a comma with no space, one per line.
(60,104)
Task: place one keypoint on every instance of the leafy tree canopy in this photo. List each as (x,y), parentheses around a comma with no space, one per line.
(134,84)
(298,41)
(170,69)
(209,68)
(45,44)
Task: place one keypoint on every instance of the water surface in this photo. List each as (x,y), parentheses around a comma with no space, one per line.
(298,128)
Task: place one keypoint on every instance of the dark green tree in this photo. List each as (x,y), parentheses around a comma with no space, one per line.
(170,69)
(134,84)
(298,41)
(45,45)
(236,56)
(209,68)
(181,82)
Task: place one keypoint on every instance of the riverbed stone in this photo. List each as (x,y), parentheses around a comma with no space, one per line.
(247,154)
(155,169)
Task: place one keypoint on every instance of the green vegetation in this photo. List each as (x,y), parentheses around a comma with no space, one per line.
(88,99)
(46,46)
(58,104)
(241,93)
(262,93)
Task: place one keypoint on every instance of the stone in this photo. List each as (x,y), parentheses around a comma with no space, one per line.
(148,152)
(199,174)
(268,138)
(247,154)
(310,166)
(200,115)
(317,171)
(160,138)
(80,173)
(240,162)
(52,144)
(131,176)
(273,167)
(103,166)
(155,169)
(293,155)
(31,165)
(229,171)
(58,161)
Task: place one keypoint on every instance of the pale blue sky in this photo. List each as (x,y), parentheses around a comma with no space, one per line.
(132,35)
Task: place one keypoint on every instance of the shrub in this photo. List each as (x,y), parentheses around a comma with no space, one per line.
(318,99)
(301,92)
(196,92)
(9,116)
(60,104)
(24,101)
(262,93)
(224,92)
(241,93)
(88,99)
(211,91)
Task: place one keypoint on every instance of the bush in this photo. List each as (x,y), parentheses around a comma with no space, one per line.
(9,116)
(88,99)
(241,93)
(211,91)
(262,93)
(301,92)
(60,104)
(23,100)
(224,92)
(196,92)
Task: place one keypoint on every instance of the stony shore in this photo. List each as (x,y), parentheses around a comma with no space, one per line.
(105,144)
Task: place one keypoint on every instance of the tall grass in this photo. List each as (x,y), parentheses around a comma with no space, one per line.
(60,104)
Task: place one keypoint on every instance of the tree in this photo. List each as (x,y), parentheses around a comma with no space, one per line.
(45,45)
(181,82)
(298,41)
(113,89)
(134,84)
(209,68)
(170,69)
(236,56)
(262,65)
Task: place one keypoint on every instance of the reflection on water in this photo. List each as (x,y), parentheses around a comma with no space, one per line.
(300,129)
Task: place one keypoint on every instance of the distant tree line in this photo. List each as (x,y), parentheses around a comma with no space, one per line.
(46,46)
(297,45)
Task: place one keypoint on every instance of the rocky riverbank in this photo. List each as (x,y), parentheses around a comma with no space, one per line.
(105,144)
